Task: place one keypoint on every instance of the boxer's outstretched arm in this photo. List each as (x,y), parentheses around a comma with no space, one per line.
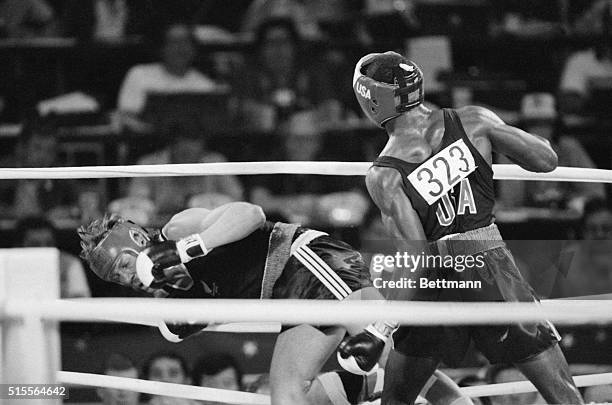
(220,226)
(529,151)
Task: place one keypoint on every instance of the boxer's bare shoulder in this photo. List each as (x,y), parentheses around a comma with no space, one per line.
(477,120)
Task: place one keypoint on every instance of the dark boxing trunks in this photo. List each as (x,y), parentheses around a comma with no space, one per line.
(500,281)
(321,267)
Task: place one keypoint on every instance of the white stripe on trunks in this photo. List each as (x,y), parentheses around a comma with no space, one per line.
(319,274)
(327,269)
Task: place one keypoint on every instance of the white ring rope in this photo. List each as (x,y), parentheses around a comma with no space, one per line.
(520,387)
(237,397)
(234,327)
(138,310)
(162,388)
(501,172)
(271,327)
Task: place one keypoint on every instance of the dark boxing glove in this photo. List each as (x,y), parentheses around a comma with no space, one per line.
(156,257)
(359,354)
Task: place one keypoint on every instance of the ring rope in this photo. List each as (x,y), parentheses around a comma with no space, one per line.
(520,387)
(501,172)
(234,327)
(162,388)
(562,312)
(227,327)
(275,327)
(237,397)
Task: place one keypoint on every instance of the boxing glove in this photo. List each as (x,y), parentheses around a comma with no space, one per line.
(359,354)
(153,259)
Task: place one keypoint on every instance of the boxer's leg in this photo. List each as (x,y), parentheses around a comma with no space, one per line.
(549,372)
(299,354)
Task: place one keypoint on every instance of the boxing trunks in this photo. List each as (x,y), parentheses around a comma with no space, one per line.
(500,281)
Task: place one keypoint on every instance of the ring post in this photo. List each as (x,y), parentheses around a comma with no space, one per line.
(30,345)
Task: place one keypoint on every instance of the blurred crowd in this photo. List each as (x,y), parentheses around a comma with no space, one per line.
(220,371)
(206,81)
(223,371)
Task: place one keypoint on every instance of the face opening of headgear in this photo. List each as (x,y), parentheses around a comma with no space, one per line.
(382,101)
(125,237)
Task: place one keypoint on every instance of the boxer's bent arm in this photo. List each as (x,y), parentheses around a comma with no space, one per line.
(225,224)
(529,151)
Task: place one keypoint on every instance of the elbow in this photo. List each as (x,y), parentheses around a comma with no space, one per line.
(542,159)
(260,217)
(255,214)
(549,162)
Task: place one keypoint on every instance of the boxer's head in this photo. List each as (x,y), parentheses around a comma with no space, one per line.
(386,85)
(110,246)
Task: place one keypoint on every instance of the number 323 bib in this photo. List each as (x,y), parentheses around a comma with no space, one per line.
(440,173)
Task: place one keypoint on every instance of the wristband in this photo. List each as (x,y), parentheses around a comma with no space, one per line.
(376,333)
(383,329)
(191,247)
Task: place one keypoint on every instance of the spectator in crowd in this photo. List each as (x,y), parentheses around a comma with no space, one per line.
(26,19)
(107,20)
(37,147)
(539,117)
(585,71)
(167,367)
(299,12)
(595,19)
(219,13)
(174,73)
(300,197)
(172,194)
(534,22)
(217,371)
(38,232)
(203,12)
(118,365)
(507,373)
(534,19)
(280,78)
(585,267)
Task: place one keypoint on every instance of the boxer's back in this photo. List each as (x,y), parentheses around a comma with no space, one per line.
(427,137)
(447,178)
